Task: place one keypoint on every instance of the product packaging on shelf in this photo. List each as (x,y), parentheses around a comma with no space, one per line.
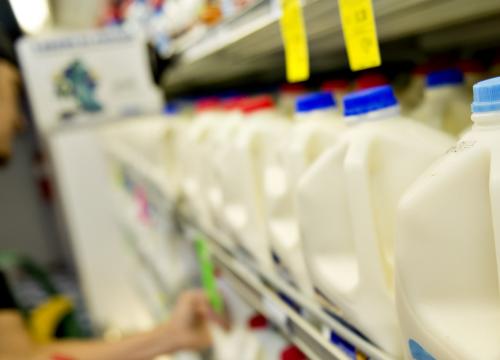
(262,131)
(347,206)
(317,126)
(219,149)
(445,105)
(447,257)
(194,184)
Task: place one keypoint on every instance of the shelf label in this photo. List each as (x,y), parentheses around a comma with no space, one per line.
(208,274)
(360,34)
(293,32)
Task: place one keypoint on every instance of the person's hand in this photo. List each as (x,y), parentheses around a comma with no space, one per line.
(190,319)
(10,114)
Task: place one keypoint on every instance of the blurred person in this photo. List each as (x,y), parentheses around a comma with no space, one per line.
(10,114)
(187,328)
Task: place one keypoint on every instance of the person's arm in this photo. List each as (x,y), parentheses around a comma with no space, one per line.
(187,329)
(10,113)
(145,346)
(15,342)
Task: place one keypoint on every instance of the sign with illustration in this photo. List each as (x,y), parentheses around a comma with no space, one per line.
(87,76)
(77,82)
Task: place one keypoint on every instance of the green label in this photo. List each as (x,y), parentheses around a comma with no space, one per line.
(207,274)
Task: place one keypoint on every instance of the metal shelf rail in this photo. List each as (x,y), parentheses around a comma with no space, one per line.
(250,43)
(262,291)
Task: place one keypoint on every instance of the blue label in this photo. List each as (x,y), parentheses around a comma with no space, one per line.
(418,352)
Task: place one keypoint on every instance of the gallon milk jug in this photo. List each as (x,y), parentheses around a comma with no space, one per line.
(208,113)
(317,126)
(173,140)
(445,105)
(347,207)
(219,150)
(447,257)
(261,131)
(160,138)
(152,142)
(339,88)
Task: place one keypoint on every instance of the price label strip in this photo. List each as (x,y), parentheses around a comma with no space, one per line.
(207,274)
(360,34)
(293,33)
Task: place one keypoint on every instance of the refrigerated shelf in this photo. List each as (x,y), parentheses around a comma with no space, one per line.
(250,44)
(261,290)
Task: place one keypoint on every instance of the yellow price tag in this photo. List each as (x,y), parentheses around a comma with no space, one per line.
(293,32)
(360,34)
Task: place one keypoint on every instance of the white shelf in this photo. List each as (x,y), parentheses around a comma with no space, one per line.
(260,290)
(250,44)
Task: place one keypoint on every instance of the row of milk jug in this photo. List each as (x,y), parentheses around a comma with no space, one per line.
(376,213)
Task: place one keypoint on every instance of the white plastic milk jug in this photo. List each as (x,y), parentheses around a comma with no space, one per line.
(153,142)
(219,149)
(347,207)
(208,113)
(445,105)
(317,126)
(260,133)
(447,252)
(173,140)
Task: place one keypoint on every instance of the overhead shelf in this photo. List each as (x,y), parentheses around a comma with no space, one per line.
(250,44)
(304,323)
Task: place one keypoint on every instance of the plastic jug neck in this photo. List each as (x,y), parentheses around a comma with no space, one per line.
(382,114)
(440,91)
(486,119)
(263,114)
(330,114)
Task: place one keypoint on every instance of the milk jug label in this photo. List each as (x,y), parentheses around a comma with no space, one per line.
(418,352)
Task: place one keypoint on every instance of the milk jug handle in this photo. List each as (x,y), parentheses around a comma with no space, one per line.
(357,164)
